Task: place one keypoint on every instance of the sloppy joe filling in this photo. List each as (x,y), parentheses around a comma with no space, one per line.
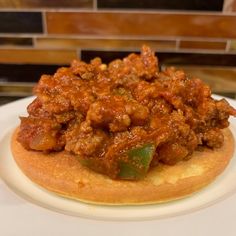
(122,118)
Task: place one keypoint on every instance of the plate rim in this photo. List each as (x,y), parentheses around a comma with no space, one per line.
(11,105)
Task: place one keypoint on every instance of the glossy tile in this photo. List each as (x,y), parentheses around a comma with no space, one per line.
(5,100)
(16,89)
(229,5)
(21,22)
(221,80)
(204,59)
(168,58)
(44,3)
(102,43)
(202,45)
(141,24)
(24,73)
(11,41)
(233,45)
(200,5)
(227,95)
(33,56)
(234,6)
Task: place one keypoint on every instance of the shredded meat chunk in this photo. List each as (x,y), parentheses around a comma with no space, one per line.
(87,142)
(40,134)
(99,111)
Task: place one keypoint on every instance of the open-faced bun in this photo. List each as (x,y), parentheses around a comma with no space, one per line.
(61,172)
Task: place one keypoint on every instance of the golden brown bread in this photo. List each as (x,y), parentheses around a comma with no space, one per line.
(62,173)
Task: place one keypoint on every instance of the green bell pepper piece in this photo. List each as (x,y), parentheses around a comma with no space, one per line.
(132,166)
(137,162)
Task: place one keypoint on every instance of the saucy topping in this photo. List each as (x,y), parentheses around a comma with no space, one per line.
(123,118)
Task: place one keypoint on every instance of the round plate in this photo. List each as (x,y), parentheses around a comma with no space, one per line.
(221,188)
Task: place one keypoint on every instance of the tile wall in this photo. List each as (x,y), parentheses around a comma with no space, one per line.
(37,36)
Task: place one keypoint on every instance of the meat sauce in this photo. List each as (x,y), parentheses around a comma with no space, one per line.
(108,115)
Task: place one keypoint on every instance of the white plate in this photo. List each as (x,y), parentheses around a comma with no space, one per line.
(224,186)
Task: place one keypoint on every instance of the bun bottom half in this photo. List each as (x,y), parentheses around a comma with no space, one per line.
(62,173)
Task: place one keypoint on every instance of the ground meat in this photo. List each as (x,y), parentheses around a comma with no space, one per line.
(160,106)
(213,138)
(83,70)
(85,141)
(99,112)
(171,153)
(144,66)
(109,112)
(138,113)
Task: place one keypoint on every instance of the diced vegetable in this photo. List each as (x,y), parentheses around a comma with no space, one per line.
(136,163)
(132,166)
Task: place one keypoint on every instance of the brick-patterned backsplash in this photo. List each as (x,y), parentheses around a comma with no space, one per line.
(37,36)
(54,32)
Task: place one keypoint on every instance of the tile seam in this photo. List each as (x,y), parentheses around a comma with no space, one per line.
(128,11)
(228,45)
(95,5)
(112,37)
(44,22)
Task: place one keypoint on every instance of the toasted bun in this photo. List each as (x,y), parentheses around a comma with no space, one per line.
(61,172)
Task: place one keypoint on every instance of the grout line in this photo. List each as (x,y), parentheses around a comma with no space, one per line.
(203,67)
(95,5)
(120,10)
(44,20)
(137,37)
(51,9)
(30,48)
(20,35)
(10,84)
(34,42)
(16,47)
(161,11)
(228,44)
(128,49)
(78,52)
(182,50)
(177,44)
(202,39)
(114,37)
(227,6)
(111,48)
